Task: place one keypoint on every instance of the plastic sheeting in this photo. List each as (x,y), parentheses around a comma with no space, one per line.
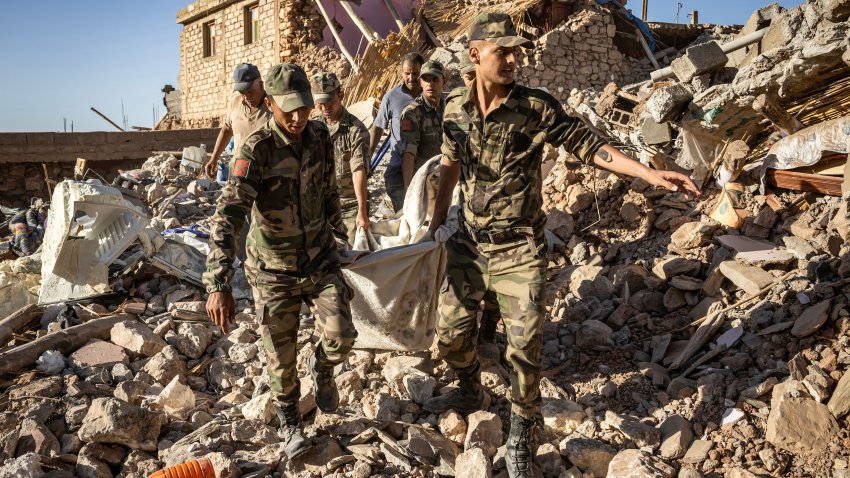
(396,285)
(806,147)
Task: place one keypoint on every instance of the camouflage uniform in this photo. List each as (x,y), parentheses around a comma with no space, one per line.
(291,192)
(350,140)
(500,246)
(421,123)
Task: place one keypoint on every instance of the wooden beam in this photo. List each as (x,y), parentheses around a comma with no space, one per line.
(107,119)
(364,28)
(420,17)
(394,13)
(646,49)
(796,181)
(18,320)
(335,34)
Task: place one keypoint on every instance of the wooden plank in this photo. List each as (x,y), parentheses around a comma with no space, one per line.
(18,320)
(796,181)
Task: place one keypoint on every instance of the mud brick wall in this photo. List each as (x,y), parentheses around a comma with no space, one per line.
(22,156)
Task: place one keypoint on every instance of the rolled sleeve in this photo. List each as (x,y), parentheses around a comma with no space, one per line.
(569,132)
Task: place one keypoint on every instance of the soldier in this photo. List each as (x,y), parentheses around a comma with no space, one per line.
(351,149)
(389,115)
(421,122)
(285,176)
(490,313)
(246,112)
(500,243)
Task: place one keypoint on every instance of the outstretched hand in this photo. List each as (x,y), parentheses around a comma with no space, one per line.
(221,309)
(673,181)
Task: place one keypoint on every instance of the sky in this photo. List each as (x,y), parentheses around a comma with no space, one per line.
(60,57)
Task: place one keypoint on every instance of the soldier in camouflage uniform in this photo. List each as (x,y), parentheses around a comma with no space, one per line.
(285,176)
(422,121)
(500,244)
(351,149)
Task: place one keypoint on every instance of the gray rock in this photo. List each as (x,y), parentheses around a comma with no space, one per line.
(637,464)
(588,455)
(419,386)
(839,403)
(749,278)
(112,421)
(676,436)
(594,335)
(473,462)
(811,319)
(643,435)
(137,338)
(484,431)
(562,416)
(796,423)
(190,339)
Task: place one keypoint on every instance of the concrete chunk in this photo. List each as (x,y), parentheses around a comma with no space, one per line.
(667,102)
(749,278)
(699,59)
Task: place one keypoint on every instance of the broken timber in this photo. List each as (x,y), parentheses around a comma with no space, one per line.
(796,181)
(18,320)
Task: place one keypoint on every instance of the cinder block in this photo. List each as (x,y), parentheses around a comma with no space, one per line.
(699,59)
(654,132)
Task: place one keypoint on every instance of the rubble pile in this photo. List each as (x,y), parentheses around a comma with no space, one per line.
(685,337)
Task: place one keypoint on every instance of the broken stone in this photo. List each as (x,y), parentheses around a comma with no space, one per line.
(112,421)
(643,435)
(260,408)
(253,432)
(137,338)
(698,451)
(586,282)
(190,339)
(749,278)
(34,437)
(811,319)
(699,59)
(484,431)
(676,436)
(562,416)
(839,403)
(90,467)
(452,426)
(473,462)
(397,367)
(176,399)
(166,365)
(686,283)
(594,335)
(588,455)
(670,267)
(548,460)
(796,423)
(691,235)
(428,446)
(419,386)
(635,463)
(98,353)
(667,102)
(382,406)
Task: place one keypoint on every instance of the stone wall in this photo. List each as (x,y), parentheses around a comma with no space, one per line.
(22,156)
(580,53)
(205,81)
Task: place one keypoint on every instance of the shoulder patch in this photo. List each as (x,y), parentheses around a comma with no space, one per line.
(406,124)
(241,168)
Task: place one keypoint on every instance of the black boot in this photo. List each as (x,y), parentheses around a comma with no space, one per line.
(290,430)
(324,386)
(518,454)
(466,399)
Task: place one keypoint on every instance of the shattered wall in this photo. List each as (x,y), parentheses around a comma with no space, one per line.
(579,53)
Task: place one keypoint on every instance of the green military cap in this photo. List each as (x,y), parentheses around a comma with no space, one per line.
(497,28)
(433,67)
(288,85)
(324,86)
(466,64)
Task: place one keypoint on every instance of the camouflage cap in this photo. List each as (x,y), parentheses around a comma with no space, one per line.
(434,68)
(497,28)
(324,86)
(466,64)
(288,85)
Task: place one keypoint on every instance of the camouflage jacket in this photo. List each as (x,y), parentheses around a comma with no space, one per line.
(351,149)
(500,158)
(294,203)
(421,130)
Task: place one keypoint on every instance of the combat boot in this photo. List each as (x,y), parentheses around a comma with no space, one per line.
(518,452)
(466,399)
(324,386)
(290,430)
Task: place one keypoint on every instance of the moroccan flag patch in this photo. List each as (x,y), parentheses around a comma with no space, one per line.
(240,168)
(406,125)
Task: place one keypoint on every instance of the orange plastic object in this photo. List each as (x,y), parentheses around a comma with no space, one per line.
(200,468)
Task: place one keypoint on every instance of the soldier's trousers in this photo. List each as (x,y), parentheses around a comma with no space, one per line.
(278,313)
(518,277)
(349,219)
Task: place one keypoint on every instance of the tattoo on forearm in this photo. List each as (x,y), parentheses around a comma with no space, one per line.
(604,155)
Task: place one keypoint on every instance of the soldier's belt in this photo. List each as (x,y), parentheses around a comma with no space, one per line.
(497,236)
